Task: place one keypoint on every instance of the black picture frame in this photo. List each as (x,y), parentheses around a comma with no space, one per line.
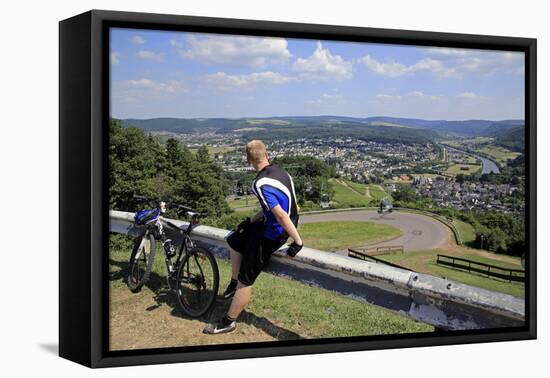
(83,209)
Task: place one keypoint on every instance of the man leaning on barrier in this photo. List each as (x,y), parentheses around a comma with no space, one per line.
(253,241)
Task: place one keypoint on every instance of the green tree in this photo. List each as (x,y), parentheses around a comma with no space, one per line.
(139,164)
(310,176)
(405,193)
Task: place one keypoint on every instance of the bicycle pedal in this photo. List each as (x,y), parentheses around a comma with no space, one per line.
(165,290)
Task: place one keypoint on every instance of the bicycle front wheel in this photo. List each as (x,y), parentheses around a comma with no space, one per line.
(141,262)
(197,282)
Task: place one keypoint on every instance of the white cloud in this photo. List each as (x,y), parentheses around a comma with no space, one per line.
(391,69)
(129,99)
(327,99)
(140,92)
(114,57)
(331,97)
(423,96)
(150,55)
(447,51)
(450,63)
(322,65)
(395,69)
(137,40)
(177,44)
(224,81)
(235,50)
(417,94)
(387,97)
(169,86)
(470,96)
(483,62)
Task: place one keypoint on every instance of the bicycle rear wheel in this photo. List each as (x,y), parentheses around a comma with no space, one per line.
(141,262)
(197,282)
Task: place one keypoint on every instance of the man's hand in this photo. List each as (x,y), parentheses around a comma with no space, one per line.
(293,249)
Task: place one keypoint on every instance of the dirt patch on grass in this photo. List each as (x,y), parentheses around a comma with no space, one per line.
(149,320)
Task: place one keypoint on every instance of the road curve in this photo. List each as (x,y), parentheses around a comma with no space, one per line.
(419,232)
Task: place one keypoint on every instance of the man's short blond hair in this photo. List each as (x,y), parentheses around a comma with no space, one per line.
(256,151)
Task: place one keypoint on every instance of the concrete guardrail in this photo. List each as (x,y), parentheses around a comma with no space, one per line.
(445,304)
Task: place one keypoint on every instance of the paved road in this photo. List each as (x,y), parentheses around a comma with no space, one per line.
(420,232)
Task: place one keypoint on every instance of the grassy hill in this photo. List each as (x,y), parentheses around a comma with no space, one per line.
(331,236)
(280,309)
(352,194)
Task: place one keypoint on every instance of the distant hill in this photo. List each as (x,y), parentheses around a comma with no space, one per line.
(181,125)
(345,129)
(289,127)
(512,138)
(281,126)
(502,127)
(466,128)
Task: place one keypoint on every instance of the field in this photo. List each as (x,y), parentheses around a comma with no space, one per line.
(278,122)
(332,236)
(280,309)
(215,150)
(471,142)
(380,123)
(498,153)
(352,194)
(362,189)
(471,159)
(465,169)
(344,196)
(466,231)
(377,192)
(425,262)
(243,203)
(484,145)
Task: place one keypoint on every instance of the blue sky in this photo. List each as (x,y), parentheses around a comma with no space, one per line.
(192,75)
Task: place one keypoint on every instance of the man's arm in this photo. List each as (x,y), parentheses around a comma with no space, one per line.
(284,220)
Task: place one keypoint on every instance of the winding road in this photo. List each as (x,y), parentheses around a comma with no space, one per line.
(419,232)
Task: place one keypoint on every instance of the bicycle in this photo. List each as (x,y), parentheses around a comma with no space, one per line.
(194,276)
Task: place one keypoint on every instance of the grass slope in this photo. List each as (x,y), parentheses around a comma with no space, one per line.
(425,262)
(280,309)
(332,236)
(344,196)
(466,231)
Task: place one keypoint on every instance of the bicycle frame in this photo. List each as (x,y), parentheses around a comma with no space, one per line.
(183,250)
(156,228)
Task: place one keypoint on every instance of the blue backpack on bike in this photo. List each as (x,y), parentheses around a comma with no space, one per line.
(145,216)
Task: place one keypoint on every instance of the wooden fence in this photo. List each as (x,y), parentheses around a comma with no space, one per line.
(384,250)
(516,275)
(364,256)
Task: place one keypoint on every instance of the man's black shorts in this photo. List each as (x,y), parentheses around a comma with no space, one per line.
(256,249)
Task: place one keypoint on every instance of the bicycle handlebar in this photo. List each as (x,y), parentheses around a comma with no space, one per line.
(141,198)
(186,208)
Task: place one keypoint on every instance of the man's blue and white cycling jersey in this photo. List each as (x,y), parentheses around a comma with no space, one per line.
(273,186)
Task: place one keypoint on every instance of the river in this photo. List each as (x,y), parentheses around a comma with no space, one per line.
(488,166)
